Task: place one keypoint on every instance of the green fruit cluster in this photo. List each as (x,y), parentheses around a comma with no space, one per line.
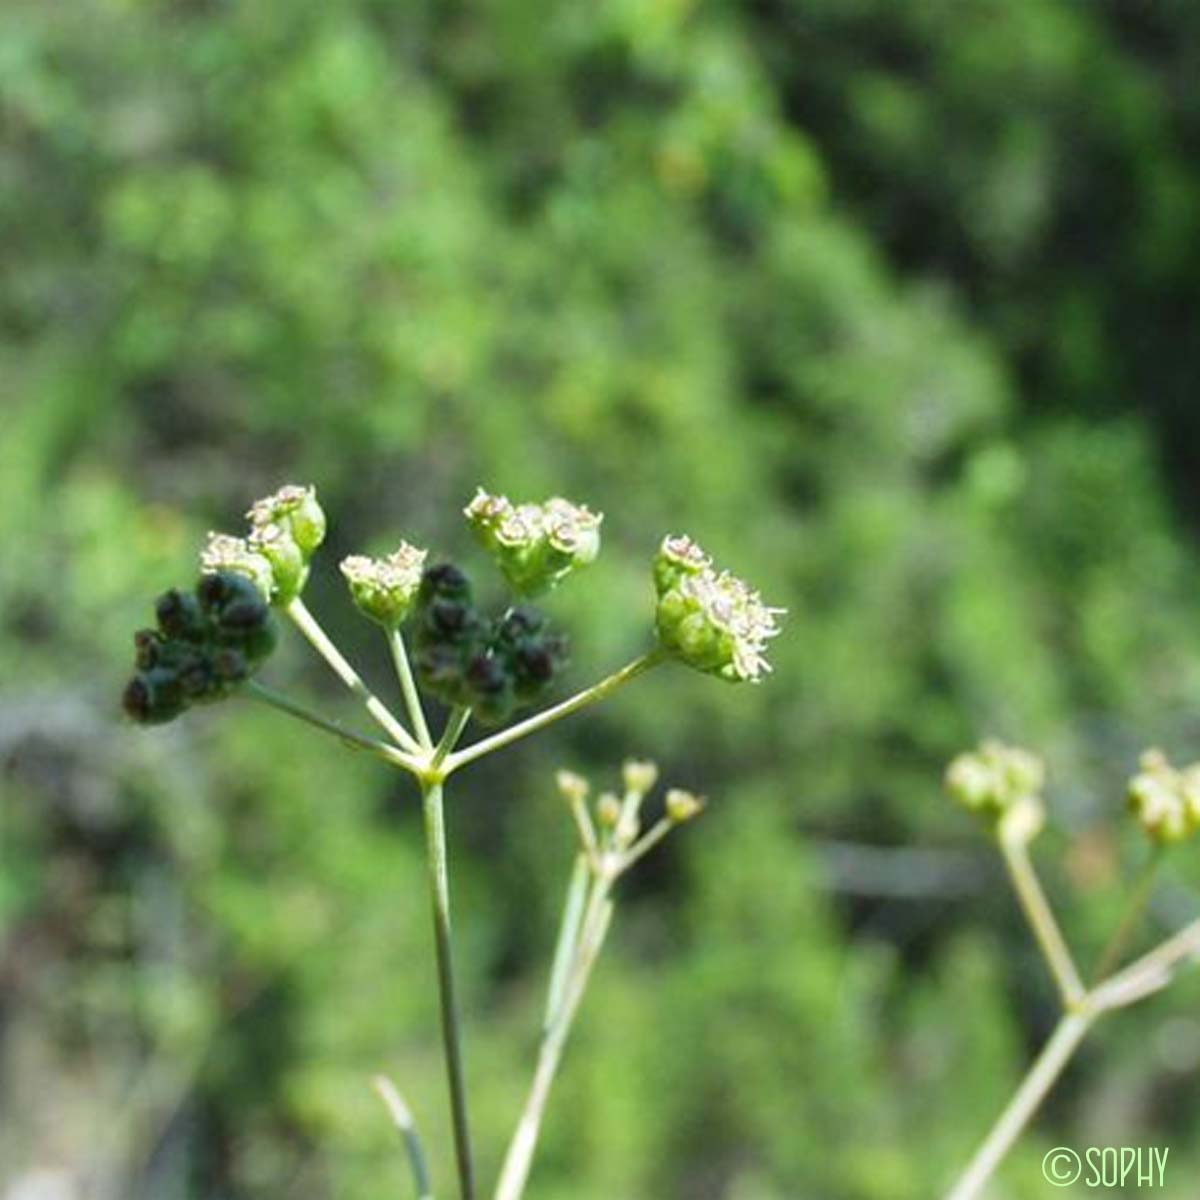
(494,666)
(206,643)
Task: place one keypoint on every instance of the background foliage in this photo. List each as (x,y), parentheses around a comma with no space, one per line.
(891,306)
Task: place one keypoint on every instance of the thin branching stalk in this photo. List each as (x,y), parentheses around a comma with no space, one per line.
(355,741)
(455,724)
(408,686)
(568,937)
(439,891)
(1033,1090)
(1041,920)
(1149,973)
(402,1118)
(319,640)
(591,695)
(1135,908)
(519,1159)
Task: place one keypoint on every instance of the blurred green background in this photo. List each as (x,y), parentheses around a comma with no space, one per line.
(892,306)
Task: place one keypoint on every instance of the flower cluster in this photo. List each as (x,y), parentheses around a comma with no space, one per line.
(492,666)
(1165,800)
(205,644)
(285,529)
(712,621)
(536,546)
(384,588)
(995,778)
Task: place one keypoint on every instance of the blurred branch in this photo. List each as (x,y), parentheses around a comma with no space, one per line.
(402,1118)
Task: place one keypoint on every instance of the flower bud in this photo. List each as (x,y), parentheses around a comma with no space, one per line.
(1023,820)
(385,589)
(639,777)
(573,787)
(296,509)
(535,545)
(994,777)
(1164,800)
(608,810)
(226,553)
(714,623)
(682,806)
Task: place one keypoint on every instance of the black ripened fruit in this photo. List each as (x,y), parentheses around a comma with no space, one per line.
(180,616)
(206,644)
(153,697)
(491,666)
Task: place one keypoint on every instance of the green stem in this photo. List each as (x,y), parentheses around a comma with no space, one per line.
(388,753)
(568,937)
(647,842)
(519,1158)
(1037,1083)
(455,724)
(319,640)
(1149,973)
(1041,920)
(439,890)
(1135,908)
(402,1118)
(548,716)
(408,685)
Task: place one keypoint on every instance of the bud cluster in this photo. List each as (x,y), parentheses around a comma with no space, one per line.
(712,621)
(205,644)
(617,814)
(995,778)
(493,666)
(285,529)
(1165,800)
(536,546)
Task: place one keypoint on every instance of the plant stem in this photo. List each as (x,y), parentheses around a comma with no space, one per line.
(1041,920)
(1037,1083)
(1150,972)
(402,1118)
(408,685)
(439,890)
(455,724)
(1134,909)
(647,842)
(519,1158)
(568,937)
(266,695)
(319,640)
(597,691)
